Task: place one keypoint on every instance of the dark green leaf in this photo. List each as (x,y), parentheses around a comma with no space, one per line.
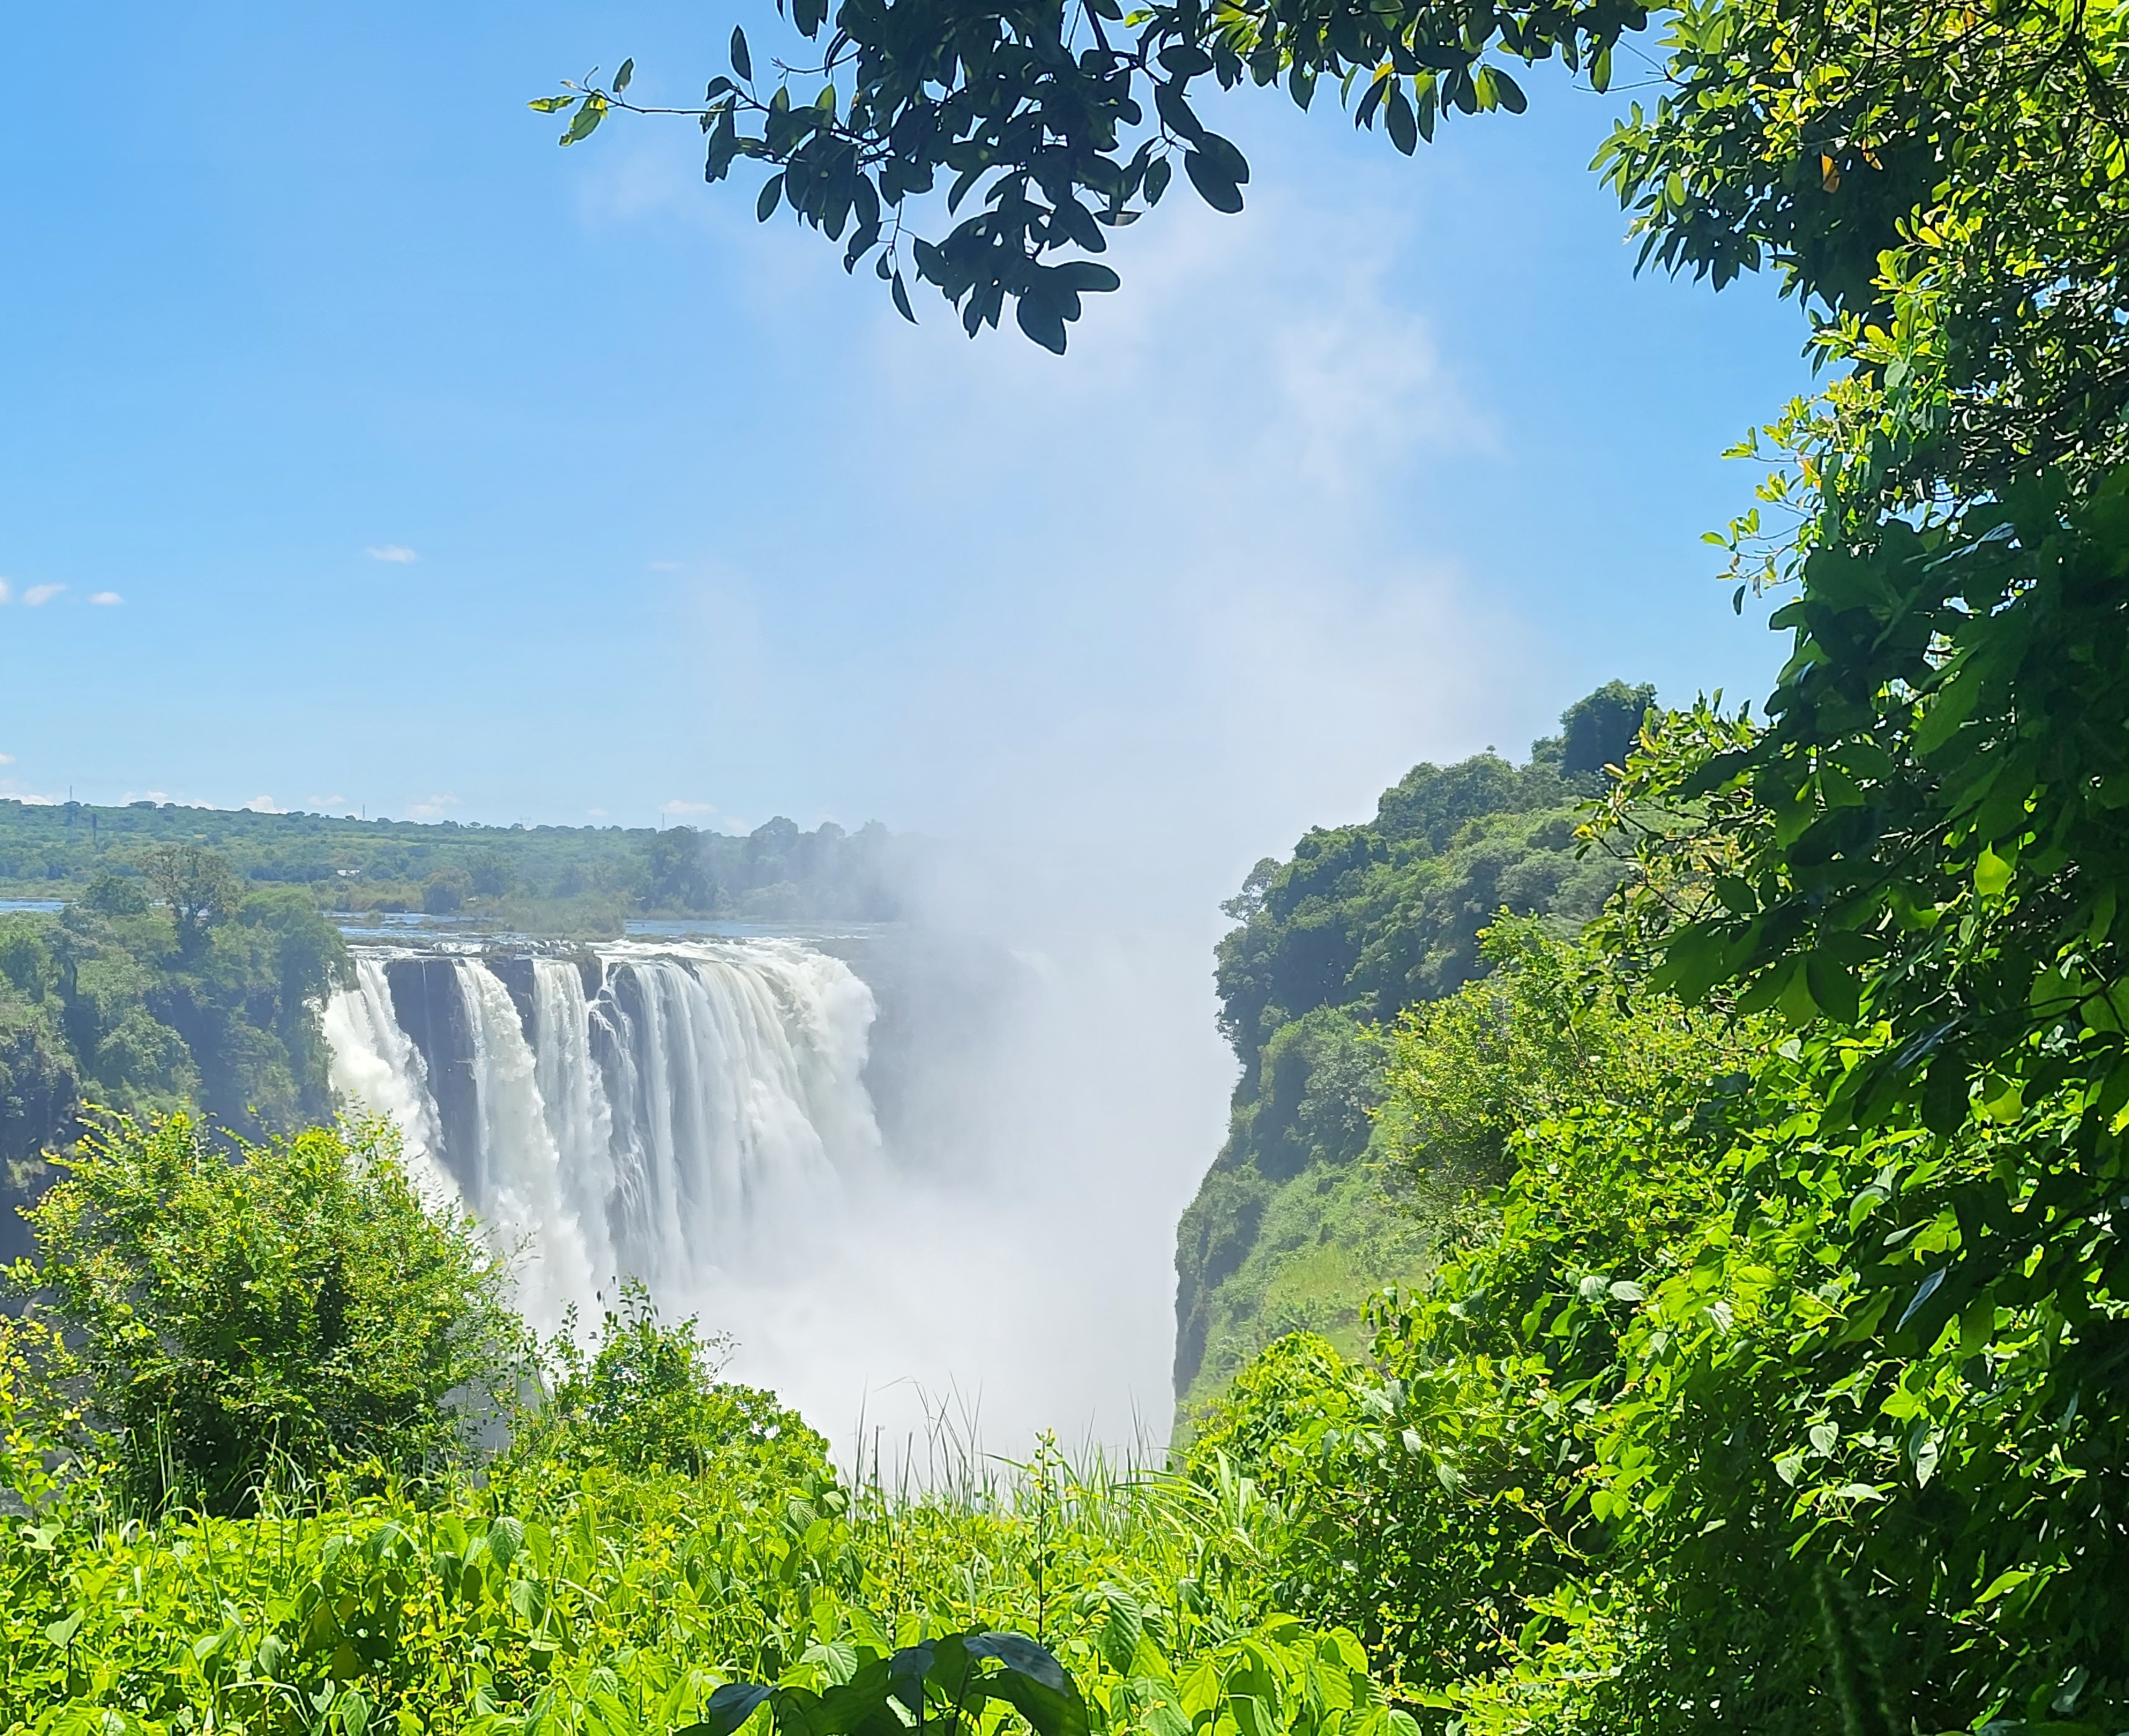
(1175,113)
(1944,1093)
(1217,190)
(1399,120)
(1833,987)
(1043,321)
(728,1708)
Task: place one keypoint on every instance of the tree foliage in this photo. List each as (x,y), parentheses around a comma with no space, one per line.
(1362,922)
(559,880)
(194,885)
(290,1304)
(1437,1497)
(108,1002)
(1541,1036)
(646,1398)
(1065,121)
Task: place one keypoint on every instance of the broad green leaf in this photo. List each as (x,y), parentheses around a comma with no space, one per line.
(1992,874)
(1217,190)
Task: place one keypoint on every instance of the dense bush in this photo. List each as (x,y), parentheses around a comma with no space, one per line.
(1435,1493)
(287,1305)
(645,1399)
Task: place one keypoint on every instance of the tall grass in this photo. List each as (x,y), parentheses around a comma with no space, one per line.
(549,1600)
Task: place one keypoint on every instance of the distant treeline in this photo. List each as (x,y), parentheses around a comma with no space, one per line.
(567,878)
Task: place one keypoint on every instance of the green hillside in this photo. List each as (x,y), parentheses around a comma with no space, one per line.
(1291,1228)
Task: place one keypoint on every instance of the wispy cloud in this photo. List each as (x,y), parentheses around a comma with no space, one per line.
(597,813)
(265,804)
(144,795)
(39,594)
(7,759)
(397,553)
(107,599)
(433,808)
(7,591)
(326,804)
(679,807)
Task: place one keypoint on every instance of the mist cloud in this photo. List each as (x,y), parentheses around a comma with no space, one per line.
(1209,630)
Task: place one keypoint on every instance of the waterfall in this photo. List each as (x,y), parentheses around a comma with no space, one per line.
(375,1063)
(518,1192)
(674,1113)
(574,1097)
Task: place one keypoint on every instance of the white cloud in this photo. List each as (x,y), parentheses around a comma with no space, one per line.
(7,759)
(265,804)
(597,813)
(39,594)
(326,804)
(144,795)
(397,553)
(433,808)
(7,591)
(680,808)
(107,599)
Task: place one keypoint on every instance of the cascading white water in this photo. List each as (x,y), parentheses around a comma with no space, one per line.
(695,1117)
(744,1114)
(375,1063)
(518,1193)
(574,1097)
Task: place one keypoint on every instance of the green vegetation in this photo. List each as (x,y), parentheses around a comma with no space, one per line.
(284,1307)
(562,880)
(117,1002)
(1770,1375)
(645,1537)
(1289,1229)
(211,1003)
(646,1399)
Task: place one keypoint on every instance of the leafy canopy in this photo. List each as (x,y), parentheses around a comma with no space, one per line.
(1067,121)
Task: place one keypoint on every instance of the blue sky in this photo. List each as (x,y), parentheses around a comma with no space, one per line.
(441,472)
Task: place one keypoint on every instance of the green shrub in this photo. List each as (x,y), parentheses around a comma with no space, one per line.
(289,1302)
(647,1399)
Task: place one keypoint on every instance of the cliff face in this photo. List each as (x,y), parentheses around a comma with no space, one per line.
(1290,1229)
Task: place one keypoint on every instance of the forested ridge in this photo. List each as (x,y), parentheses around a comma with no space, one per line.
(1292,1226)
(1768,1374)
